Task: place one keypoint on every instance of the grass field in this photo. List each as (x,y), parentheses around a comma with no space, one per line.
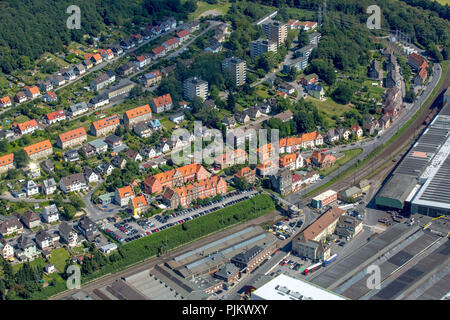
(329,108)
(202,7)
(348,155)
(58,258)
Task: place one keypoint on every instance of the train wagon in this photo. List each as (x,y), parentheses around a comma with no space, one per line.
(312,268)
(329,260)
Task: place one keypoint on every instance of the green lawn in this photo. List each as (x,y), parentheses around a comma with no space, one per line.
(202,6)
(59,257)
(166,123)
(348,155)
(329,108)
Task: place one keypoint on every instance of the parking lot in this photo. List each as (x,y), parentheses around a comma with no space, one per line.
(130,229)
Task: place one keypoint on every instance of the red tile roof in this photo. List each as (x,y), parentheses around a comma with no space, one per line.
(139,111)
(6,160)
(38,147)
(72,134)
(162,100)
(106,122)
(55,115)
(26,125)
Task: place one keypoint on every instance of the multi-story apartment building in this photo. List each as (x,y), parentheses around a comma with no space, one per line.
(39,150)
(236,69)
(137,115)
(123,195)
(185,195)
(174,178)
(103,80)
(260,46)
(105,126)
(195,87)
(275,31)
(71,138)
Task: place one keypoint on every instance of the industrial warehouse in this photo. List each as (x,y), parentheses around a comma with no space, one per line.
(419,184)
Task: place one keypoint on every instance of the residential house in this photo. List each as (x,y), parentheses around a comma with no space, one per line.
(177,118)
(282,181)
(103,80)
(90,175)
(104,126)
(229,122)
(26,248)
(143,129)
(55,116)
(72,138)
(71,156)
(6,250)
(343,133)
(10,226)
(99,100)
(371,127)
(148,152)
(50,214)
(26,127)
(7,162)
(105,168)
(322,160)
(152,78)
(50,97)
(45,86)
(68,234)
(78,109)
(293,161)
(171,44)
(123,196)
(158,52)
(182,35)
(87,150)
(73,183)
(88,228)
(133,155)
(69,75)
(162,103)
(48,166)
(88,63)
(43,239)
(31,188)
(136,115)
(285,116)
(315,91)
(97,59)
(48,186)
(20,97)
(142,60)
(356,130)
(332,136)
(5,102)
(242,117)
(39,150)
(126,69)
(419,79)
(214,46)
(58,80)
(155,124)
(119,162)
(79,69)
(247,173)
(375,71)
(267,168)
(99,145)
(113,141)
(32,92)
(253,112)
(30,219)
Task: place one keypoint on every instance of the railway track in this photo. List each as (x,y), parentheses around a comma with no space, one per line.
(404,140)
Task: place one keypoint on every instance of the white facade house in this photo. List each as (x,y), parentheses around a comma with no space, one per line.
(31,188)
(51,214)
